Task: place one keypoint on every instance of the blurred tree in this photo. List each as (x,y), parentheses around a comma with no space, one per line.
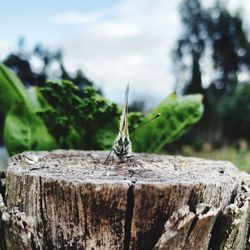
(191,45)
(215,33)
(230,46)
(23,69)
(20,62)
(137,106)
(212,29)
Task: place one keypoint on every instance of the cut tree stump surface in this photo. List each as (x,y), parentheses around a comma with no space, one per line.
(71,200)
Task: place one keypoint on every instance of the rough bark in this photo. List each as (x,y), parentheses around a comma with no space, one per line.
(71,200)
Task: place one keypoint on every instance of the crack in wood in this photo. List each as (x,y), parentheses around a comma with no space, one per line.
(129,216)
(3,189)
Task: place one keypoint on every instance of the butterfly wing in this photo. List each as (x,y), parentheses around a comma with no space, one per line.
(122,146)
(124,117)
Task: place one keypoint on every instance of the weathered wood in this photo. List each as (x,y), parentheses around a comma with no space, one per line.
(71,200)
(188,230)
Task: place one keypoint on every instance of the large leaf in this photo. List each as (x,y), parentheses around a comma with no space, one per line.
(24,130)
(177,116)
(37,100)
(40,101)
(12,90)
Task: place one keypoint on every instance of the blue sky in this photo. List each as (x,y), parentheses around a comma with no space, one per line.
(32,19)
(112,41)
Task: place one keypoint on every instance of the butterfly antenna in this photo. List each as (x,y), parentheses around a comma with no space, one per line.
(105,162)
(146,122)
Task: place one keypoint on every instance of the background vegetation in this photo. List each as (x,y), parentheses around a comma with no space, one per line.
(215,36)
(63,115)
(211,38)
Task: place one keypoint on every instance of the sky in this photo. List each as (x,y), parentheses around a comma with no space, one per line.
(113,41)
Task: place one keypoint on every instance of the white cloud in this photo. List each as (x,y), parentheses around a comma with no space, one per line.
(73,17)
(131,42)
(117,29)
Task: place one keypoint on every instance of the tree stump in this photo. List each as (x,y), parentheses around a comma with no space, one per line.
(71,200)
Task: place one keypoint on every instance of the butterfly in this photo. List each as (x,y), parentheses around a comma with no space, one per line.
(122,146)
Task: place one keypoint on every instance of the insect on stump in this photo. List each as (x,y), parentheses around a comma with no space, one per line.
(122,146)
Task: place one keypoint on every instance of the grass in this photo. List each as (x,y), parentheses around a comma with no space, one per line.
(239,155)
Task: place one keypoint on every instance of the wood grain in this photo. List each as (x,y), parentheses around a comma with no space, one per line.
(71,200)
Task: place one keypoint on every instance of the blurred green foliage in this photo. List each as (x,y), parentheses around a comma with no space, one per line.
(25,131)
(235,112)
(11,90)
(177,115)
(61,115)
(75,116)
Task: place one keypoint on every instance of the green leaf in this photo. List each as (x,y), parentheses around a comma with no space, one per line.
(177,116)
(43,104)
(38,102)
(12,90)
(24,131)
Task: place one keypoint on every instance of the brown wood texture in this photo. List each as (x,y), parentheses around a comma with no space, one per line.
(71,200)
